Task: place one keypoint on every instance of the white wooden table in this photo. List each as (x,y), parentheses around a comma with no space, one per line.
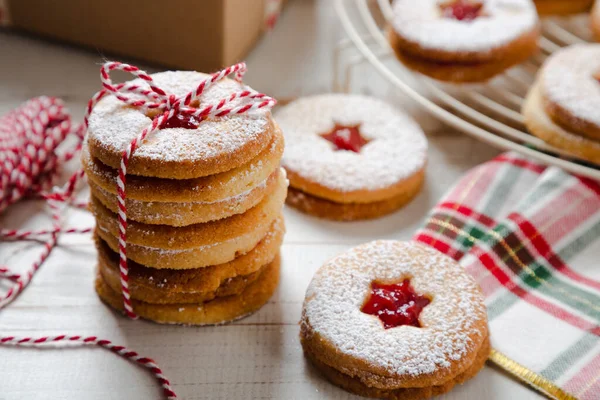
(259,357)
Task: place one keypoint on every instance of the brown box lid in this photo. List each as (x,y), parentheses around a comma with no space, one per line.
(202,35)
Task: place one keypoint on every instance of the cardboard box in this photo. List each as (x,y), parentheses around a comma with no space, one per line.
(203,35)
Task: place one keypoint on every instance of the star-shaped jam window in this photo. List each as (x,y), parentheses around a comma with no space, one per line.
(395,304)
(346,137)
(462,10)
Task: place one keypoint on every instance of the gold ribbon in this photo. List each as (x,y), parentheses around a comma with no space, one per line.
(529,377)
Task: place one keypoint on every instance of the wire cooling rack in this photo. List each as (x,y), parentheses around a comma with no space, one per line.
(489,112)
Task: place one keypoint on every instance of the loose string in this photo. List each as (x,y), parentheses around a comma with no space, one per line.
(30,137)
(31,159)
(32,154)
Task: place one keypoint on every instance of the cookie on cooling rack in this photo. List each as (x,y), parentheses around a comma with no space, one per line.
(562,105)
(394,320)
(463,40)
(562,7)
(350,157)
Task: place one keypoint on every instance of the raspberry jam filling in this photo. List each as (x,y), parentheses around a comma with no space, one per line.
(462,10)
(346,138)
(395,304)
(182,121)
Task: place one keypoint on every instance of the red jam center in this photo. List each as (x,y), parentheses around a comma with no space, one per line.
(462,10)
(346,138)
(395,304)
(182,121)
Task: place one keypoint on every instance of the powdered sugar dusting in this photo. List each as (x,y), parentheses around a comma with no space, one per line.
(114,125)
(397,147)
(340,287)
(567,79)
(421,22)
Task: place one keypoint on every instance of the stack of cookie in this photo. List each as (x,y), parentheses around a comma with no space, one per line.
(203,206)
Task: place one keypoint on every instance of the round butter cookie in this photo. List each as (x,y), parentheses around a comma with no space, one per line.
(218,311)
(463,40)
(395,320)
(183,214)
(205,189)
(192,236)
(169,286)
(418,393)
(192,246)
(185,148)
(196,257)
(569,82)
(352,149)
(562,7)
(350,211)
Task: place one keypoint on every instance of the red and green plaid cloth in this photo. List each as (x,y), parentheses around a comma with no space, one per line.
(530,235)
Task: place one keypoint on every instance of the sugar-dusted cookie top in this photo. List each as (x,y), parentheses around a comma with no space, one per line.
(464,26)
(350,143)
(430,329)
(215,145)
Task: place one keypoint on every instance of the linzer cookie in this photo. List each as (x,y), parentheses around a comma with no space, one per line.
(394,320)
(562,105)
(463,40)
(351,157)
(187,194)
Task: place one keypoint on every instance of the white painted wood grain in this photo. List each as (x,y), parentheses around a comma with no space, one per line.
(256,358)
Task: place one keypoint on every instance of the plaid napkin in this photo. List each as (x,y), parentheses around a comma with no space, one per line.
(530,235)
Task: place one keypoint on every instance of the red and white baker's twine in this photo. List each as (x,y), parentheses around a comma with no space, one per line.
(30,158)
